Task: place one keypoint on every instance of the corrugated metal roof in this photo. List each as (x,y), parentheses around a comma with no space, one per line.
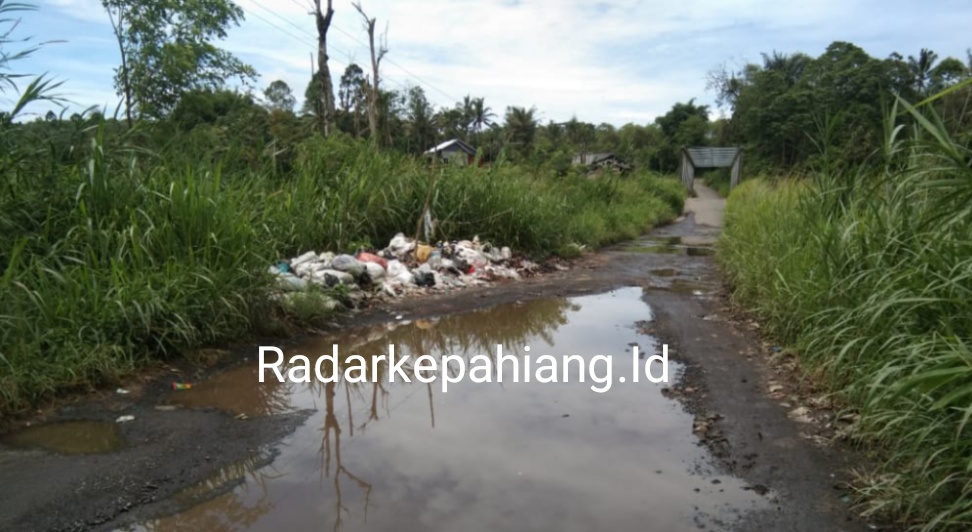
(450,143)
(591,158)
(712,157)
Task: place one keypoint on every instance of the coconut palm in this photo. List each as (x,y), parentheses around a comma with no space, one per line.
(790,65)
(921,68)
(521,126)
(482,116)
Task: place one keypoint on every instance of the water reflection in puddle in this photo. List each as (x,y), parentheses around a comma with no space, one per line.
(518,456)
(69,437)
(670,246)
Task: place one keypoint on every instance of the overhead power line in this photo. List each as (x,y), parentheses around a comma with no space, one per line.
(408,72)
(310,43)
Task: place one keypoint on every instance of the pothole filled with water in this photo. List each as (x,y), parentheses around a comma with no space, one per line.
(674,245)
(69,437)
(480,456)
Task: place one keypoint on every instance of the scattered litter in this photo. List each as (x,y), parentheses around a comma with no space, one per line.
(398,317)
(371,258)
(348,264)
(405,266)
(181,385)
(125,419)
(241,417)
(122,391)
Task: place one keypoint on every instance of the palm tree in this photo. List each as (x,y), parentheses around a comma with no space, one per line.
(791,66)
(482,116)
(921,68)
(521,125)
(466,111)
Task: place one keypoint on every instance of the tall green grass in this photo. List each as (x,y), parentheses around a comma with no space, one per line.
(869,278)
(123,255)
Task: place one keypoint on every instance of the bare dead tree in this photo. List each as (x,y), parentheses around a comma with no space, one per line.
(326,115)
(376,56)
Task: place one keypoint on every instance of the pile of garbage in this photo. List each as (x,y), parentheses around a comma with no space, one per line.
(404,266)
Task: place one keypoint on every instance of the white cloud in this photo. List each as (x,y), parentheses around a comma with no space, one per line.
(613,61)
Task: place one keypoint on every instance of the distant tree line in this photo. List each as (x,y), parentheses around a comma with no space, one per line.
(794,110)
(790,111)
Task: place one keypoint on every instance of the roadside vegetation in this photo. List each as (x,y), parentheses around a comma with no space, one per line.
(860,260)
(129,239)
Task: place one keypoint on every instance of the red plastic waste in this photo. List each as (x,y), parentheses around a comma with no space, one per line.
(371,257)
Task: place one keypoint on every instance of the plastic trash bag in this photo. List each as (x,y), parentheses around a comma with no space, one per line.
(309,256)
(347,263)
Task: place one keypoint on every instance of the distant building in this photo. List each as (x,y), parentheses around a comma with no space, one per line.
(452,150)
(601,161)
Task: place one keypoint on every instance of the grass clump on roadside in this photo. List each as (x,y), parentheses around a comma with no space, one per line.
(869,278)
(121,256)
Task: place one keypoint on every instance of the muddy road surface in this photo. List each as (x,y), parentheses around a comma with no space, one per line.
(714,448)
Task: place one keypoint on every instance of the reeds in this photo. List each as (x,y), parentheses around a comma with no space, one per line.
(869,278)
(119,255)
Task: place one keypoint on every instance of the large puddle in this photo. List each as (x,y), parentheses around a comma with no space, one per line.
(482,456)
(673,245)
(69,437)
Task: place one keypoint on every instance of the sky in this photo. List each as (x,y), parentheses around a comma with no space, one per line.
(611,61)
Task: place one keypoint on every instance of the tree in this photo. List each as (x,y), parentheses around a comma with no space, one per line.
(948,72)
(482,116)
(790,66)
(312,97)
(686,124)
(352,88)
(352,95)
(726,85)
(376,56)
(465,108)
(279,96)
(209,107)
(921,69)
(325,114)
(421,126)
(521,126)
(166,50)
(671,121)
(580,135)
(451,124)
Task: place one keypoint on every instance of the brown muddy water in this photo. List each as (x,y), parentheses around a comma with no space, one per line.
(69,437)
(481,456)
(673,245)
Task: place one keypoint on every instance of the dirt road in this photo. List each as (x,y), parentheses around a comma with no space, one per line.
(714,450)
